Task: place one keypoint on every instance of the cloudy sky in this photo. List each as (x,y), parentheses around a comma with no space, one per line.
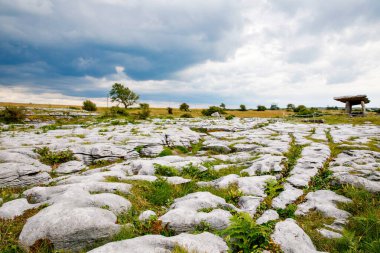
(200,52)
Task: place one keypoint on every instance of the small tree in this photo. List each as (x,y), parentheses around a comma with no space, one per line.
(170,110)
(290,107)
(222,105)
(184,107)
(123,95)
(261,108)
(274,107)
(88,105)
(145,111)
(243,108)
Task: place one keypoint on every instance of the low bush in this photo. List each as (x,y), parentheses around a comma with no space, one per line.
(229,117)
(12,114)
(54,158)
(144,111)
(186,115)
(213,109)
(170,110)
(118,111)
(88,105)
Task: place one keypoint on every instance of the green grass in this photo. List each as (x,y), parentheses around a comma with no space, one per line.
(361,234)
(292,155)
(11,229)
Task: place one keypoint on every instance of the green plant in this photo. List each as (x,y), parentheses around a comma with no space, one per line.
(288,212)
(243,108)
(244,235)
(144,111)
(213,109)
(274,107)
(186,115)
(123,95)
(229,117)
(54,158)
(184,107)
(170,110)
(290,107)
(12,114)
(167,171)
(161,193)
(88,105)
(261,108)
(165,152)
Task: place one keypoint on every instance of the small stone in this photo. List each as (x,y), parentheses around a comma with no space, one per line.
(146,215)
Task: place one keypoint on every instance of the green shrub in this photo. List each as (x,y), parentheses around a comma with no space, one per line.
(88,105)
(170,110)
(12,114)
(54,158)
(213,109)
(144,111)
(244,235)
(288,212)
(167,151)
(303,110)
(229,117)
(261,108)
(186,115)
(118,111)
(167,171)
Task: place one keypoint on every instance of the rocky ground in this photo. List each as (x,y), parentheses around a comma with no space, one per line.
(183,185)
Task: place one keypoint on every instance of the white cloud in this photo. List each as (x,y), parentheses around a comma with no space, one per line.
(302,52)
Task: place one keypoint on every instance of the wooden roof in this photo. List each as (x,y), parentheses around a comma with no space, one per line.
(353,99)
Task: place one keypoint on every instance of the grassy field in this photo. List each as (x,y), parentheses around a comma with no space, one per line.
(330,116)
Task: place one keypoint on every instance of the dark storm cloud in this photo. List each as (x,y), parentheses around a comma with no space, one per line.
(150,39)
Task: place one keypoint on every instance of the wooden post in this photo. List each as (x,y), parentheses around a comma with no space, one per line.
(363,107)
(348,107)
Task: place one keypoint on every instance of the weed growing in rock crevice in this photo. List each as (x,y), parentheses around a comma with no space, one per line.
(244,235)
(54,158)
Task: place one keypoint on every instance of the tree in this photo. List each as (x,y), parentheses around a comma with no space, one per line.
(243,108)
(261,108)
(88,105)
(184,107)
(290,107)
(274,107)
(123,95)
(222,105)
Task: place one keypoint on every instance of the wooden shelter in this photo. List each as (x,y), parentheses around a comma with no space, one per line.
(354,100)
